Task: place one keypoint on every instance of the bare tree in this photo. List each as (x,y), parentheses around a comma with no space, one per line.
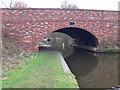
(19,5)
(67,5)
(12,4)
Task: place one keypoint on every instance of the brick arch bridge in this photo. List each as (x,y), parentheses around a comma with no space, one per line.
(26,27)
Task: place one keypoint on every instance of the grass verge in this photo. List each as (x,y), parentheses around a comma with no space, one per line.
(42,43)
(44,70)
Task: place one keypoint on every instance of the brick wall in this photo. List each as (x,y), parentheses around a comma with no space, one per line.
(26,27)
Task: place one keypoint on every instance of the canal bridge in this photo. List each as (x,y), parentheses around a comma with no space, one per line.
(27,27)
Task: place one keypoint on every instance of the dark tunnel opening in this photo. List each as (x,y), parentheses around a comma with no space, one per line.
(81,37)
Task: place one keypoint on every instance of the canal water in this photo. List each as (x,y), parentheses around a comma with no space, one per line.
(92,70)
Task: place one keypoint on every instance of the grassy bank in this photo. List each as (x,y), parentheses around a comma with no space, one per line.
(44,70)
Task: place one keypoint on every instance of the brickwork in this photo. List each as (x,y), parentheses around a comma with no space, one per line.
(26,27)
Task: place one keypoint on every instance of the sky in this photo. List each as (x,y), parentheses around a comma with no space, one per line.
(82,4)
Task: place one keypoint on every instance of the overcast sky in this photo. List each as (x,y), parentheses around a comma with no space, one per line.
(82,4)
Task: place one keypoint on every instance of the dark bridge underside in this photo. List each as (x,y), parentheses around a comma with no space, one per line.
(81,36)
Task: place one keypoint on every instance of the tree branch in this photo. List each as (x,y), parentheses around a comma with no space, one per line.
(11,3)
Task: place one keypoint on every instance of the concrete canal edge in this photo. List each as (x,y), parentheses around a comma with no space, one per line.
(65,66)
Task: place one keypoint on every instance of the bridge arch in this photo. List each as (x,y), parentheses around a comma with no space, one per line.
(81,37)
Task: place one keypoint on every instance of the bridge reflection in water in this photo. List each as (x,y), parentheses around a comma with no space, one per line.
(94,71)
(90,69)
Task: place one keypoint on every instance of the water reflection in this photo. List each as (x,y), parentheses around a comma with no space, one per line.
(81,63)
(100,71)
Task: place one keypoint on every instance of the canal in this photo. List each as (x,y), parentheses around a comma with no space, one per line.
(92,70)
